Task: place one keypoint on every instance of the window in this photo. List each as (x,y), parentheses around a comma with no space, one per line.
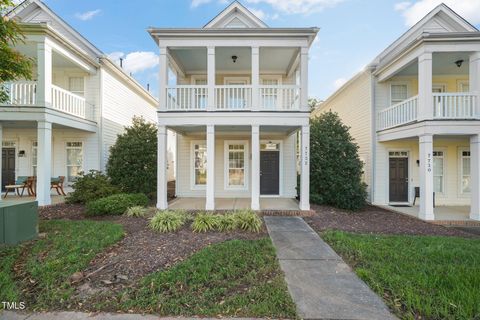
(463,86)
(236,163)
(398,93)
(199,164)
(74,160)
(465,171)
(269,95)
(76,85)
(34,157)
(200,94)
(438,171)
(398,154)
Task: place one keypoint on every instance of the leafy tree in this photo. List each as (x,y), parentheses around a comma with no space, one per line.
(312,103)
(132,164)
(335,168)
(13,64)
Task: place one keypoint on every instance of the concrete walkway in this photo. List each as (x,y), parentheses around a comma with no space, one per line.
(321,284)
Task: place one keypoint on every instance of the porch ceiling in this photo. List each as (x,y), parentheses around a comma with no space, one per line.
(237,130)
(31,125)
(443,63)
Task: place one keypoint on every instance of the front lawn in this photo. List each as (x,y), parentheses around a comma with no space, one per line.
(418,276)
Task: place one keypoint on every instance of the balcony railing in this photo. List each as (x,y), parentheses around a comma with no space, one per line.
(233,98)
(398,114)
(24,93)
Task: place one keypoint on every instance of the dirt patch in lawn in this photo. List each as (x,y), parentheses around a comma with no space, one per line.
(376,220)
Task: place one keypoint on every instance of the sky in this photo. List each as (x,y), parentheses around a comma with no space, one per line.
(352,32)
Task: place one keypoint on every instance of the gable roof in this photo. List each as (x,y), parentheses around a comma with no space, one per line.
(235,16)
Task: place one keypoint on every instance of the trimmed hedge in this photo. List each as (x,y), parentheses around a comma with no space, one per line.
(116,204)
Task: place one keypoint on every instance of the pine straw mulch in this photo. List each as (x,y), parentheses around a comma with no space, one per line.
(375,220)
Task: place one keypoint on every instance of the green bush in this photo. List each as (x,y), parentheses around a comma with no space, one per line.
(203,222)
(227,222)
(247,220)
(132,164)
(335,167)
(116,204)
(91,186)
(168,220)
(136,211)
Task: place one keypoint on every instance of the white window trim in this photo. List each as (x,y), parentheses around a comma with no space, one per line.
(397,83)
(246,171)
(271,77)
(445,174)
(387,184)
(194,186)
(31,157)
(66,158)
(280,167)
(194,78)
(227,79)
(460,172)
(439,85)
(461,83)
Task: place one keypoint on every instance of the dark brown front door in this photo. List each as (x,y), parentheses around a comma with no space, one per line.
(269,172)
(398,180)
(8,166)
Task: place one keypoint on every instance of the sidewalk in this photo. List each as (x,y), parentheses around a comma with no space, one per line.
(321,284)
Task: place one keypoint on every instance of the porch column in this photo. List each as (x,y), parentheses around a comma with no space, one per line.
(163,79)
(425,98)
(426,177)
(475,177)
(304,79)
(211,79)
(305,169)
(44,73)
(255,78)
(255,167)
(210,194)
(474,80)
(162,203)
(44,162)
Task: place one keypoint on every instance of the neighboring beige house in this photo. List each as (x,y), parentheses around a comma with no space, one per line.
(66,119)
(237,102)
(415,111)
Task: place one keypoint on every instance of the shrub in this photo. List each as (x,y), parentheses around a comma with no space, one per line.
(116,204)
(91,186)
(247,220)
(132,164)
(227,222)
(136,211)
(204,222)
(168,220)
(335,168)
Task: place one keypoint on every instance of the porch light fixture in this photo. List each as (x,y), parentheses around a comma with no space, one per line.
(418,163)
(234,59)
(459,63)
(21,153)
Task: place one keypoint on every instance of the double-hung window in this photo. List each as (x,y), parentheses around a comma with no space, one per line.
(465,171)
(76,85)
(199,164)
(34,157)
(236,161)
(398,93)
(438,171)
(74,160)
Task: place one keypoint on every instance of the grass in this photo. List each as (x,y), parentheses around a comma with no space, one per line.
(418,276)
(47,264)
(234,278)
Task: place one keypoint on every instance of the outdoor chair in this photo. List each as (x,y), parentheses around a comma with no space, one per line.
(57,184)
(20,184)
(417,195)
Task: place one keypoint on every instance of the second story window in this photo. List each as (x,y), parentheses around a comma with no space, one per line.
(398,93)
(76,85)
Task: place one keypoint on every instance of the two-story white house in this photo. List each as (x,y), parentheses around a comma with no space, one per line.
(65,119)
(415,111)
(235,92)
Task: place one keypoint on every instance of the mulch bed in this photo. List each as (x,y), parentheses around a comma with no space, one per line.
(372,219)
(140,252)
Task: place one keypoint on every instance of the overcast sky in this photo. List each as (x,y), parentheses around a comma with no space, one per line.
(352,32)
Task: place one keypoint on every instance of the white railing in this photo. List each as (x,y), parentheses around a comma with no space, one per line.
(22,93)
(68,102)
(187,97)
(274,97)
(456,105)
(398,114)
(233,97)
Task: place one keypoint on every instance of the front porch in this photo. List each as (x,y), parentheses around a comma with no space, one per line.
(441,213)
(276,204)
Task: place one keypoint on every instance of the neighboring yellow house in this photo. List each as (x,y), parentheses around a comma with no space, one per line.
(414,113)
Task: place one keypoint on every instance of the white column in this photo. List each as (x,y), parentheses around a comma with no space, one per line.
(1,146)
(425,98)
(255,167)
(255,78)
(426,177)
(475,177)
(474,80)
(210,194)
(162,202)
(163,79)
(305,169)
(211,78)
(304,79)
(44,76)
(44,162)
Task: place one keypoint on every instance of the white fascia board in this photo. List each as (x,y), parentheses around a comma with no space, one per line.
(234,42)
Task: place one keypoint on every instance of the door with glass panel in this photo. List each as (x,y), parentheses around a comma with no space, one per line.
(236,96)
(269,94)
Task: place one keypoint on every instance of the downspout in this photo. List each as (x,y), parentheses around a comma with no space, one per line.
(374,136)
(99,110)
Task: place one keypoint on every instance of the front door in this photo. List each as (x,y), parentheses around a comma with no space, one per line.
(269,173)
(8,166)
(398,180)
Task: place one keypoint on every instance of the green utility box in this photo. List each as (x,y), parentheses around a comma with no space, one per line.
(18,221)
